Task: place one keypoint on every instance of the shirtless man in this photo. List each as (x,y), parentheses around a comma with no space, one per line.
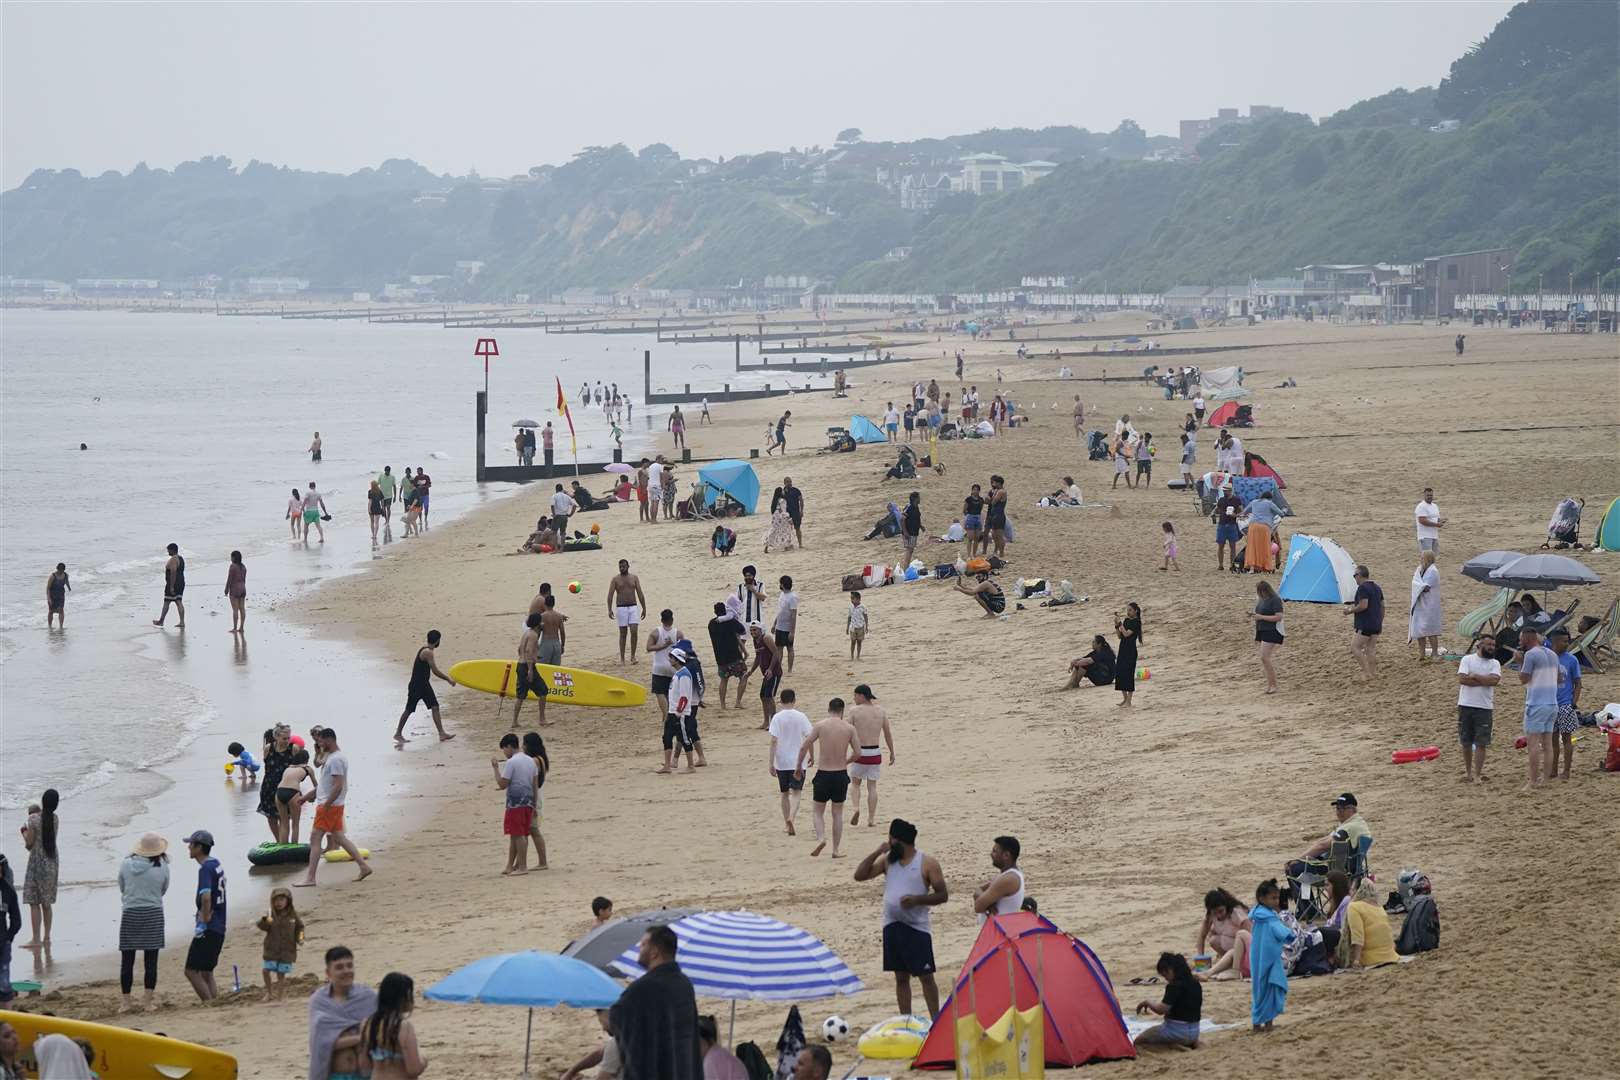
(870,723)
(537,606)
(837,740)
(529,679)
(628,605)
(553,633)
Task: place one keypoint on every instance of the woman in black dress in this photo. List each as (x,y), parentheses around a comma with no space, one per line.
(1129,631)
(1097,666)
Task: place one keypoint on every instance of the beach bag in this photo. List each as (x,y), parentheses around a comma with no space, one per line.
(945,570)
(868,577)
(854,582)
(1611,760)
(1421,931)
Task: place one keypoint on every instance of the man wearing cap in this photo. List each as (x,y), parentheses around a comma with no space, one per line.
(1351,827)
(209,936)
(871,724)
(912,883)
(682,705)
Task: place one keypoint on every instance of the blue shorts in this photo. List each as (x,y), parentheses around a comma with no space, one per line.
(893,428)
(278,966)
(1539,719)
(971,521)
(1226,532)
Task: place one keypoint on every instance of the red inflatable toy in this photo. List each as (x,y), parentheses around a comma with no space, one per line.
(1418,753)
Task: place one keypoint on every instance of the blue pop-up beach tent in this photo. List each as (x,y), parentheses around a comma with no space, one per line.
(1318,571)
(864,431)
(730,477)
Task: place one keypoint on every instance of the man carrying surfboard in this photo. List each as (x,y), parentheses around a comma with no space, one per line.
(627,605)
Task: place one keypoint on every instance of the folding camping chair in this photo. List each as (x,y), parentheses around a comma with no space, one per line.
(1314,893)
(1484,621)
(1586,647)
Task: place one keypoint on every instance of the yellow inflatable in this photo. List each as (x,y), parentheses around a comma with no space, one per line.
(899,1038)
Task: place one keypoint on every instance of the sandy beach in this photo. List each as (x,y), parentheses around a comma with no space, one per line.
(1126,817)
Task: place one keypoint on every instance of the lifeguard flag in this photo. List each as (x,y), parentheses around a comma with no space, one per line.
(562,407)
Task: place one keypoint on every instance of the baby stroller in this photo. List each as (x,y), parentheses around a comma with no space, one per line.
(1564,528)
(905,468)
(1097,446)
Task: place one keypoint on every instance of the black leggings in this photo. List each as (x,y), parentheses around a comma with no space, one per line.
(126,969)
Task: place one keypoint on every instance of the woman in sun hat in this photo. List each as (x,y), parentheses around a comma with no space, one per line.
(143,878)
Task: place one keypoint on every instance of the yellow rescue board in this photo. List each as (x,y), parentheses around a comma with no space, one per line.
(122,1054)
(564,685)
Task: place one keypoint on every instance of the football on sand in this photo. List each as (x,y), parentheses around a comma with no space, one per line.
(834,1028)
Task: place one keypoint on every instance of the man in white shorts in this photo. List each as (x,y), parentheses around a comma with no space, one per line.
(871,723)
(627,605)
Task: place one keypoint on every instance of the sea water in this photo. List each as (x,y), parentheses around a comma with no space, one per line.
(196,430)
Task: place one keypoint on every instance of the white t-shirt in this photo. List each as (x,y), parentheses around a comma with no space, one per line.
(660,658)
(520,771)
(1074,492)
(1427,532)
(1477,697)
(789,728)
(857,616)
(562,503)
(1198,402)
(337,764)
(892,416)
(787,605)
(655,476)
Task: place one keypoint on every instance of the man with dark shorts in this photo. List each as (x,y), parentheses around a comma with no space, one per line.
(529,679)
(659,643)
(789,729)
(727,637)
(1367,620)
(786,624)
(209,937)
(420,689)
(795,507)
(1226,514)
(839,745)
(1478,675)
(912,883)
(174,587)
(768,662)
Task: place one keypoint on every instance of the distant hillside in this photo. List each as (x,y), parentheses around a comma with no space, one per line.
(1532,165)
(1529,162)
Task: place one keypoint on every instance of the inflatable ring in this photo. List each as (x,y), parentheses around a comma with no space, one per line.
(899,1038)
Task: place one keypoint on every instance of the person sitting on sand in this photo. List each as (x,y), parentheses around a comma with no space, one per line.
(1097,666)
(1371,942)
(585,500)
(955,534)
(1182,1006)
(986,592)
(543,539)
(723,542)
(1225,934)
(1068,494)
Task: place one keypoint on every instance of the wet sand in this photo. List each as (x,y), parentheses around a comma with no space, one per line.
(1126,817)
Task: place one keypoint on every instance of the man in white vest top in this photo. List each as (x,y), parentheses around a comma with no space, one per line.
(1004,893)
(912,883)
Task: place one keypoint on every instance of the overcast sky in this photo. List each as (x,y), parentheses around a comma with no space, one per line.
(501,87)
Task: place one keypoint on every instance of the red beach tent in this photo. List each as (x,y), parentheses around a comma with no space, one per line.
(1083,1022)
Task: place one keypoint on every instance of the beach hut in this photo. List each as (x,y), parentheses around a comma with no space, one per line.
(863,430)
(1608,530)
(729,476)
(1023,961)
(1318,571)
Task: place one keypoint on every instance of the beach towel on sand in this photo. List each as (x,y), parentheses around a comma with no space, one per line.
(329,1018)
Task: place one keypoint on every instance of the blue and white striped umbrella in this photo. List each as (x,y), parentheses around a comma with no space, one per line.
(743,956)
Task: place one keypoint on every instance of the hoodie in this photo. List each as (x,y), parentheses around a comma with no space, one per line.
(142,885)
(283,929)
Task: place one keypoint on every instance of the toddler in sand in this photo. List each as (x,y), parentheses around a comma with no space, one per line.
(1170,549)
(283,933)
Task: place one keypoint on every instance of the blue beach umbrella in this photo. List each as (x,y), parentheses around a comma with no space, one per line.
(533,979)
(741,956)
